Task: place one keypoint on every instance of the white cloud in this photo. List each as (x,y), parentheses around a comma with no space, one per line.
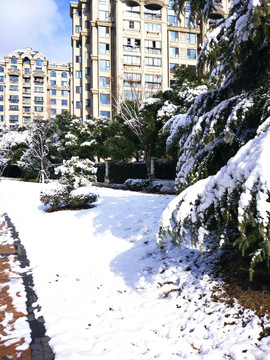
(35,23)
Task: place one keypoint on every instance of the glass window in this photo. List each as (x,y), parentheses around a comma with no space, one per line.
(78,74)
(38,108)
(133,60)
(1,69)
(1,117)
(88,103)
(87,55)
(26,119)
(174,52)
(104,65)
(64,83)
(133,25)
(26,61)
(104,31)
(38,64)
(64,102)
(152,27)
(104,81)
(53,92)
(78,29)
(1,78)
(172,20)
(26,80)
(53,101)
(173,35)
(78,59)
(104,48)
(87,71)
(13,118)
(1,88)
(191,53)
(2,108)
(152,61)
(87,87)
(14,60)
(64,92)
(87,24)
(1,98)
(191,38)
(78,89)
(27,71)
(53,74)
(38,89)
(53,111)
(53,82)
(106,114)
(173,68)
(78,105)
(131,95)
(14,79)
(105,99)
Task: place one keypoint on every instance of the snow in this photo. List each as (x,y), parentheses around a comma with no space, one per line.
(107,291)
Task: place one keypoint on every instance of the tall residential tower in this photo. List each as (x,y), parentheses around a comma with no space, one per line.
(127,48)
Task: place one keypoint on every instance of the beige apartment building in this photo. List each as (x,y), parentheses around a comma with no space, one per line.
(130,48)
(31,87)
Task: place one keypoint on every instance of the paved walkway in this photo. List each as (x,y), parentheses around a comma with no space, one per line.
(39,347)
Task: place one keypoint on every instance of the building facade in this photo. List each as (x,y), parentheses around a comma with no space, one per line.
(31,88)
(130,48)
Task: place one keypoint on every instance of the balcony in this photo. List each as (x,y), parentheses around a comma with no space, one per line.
(39,73)
(153,51)
(130,48)
(154,4)
(13,71)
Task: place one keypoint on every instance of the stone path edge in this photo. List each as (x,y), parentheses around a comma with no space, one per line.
(40,348)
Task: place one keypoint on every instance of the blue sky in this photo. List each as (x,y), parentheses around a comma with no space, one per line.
(45,25)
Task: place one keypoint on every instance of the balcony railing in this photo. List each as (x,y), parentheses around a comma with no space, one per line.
(131,48)
(153,51)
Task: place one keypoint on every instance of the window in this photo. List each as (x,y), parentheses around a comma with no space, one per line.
(191,54)
(132,60)
(14,79)
(191,38)
(172,20)
(131,95)
(53,92)
(173,35)
(152,61)
(152,27)
(53,111)
(1,78)
(78,59)
(78,74)
(64,102)
(26,90)
(1,98)
(104,15)
(2,108)
(152,14)
(87,71)
(53,101)
(153,47)
(88,103)
(105,99)
(86,9)
(104,65)
(104,81)
(39,108)
(153,81)
(78,89)
(38,100)
(104,31)
(104,48)
(52,74)
(26,100)
(78,28)
(64,93)
(26,80)
(64,83)
(14,98)
(38,64)
(1,69)
(26,119)
(87,24)
(13,118)
(87,87)
(78,105)
(133,25)
(106,114)
(2,88)
(87,40)
(14,62)
(87,55)
(53,82)
(174,52)
(39,80)
(173,68)
(132,45)
(132,80)
(37,89)
(26,61)
(27,71)
(14,107)
(1,117)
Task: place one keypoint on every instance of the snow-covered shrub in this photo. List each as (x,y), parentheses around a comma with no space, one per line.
(76,172)
(56,195)
(232,206)
(137,184)
(82,197)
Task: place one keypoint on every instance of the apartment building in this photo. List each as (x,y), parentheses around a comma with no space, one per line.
(31,87)
(130,48)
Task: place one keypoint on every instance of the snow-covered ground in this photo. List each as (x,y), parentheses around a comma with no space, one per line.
(107,291)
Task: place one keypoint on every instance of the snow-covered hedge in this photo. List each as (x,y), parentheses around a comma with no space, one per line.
(59,196)
(231,206)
